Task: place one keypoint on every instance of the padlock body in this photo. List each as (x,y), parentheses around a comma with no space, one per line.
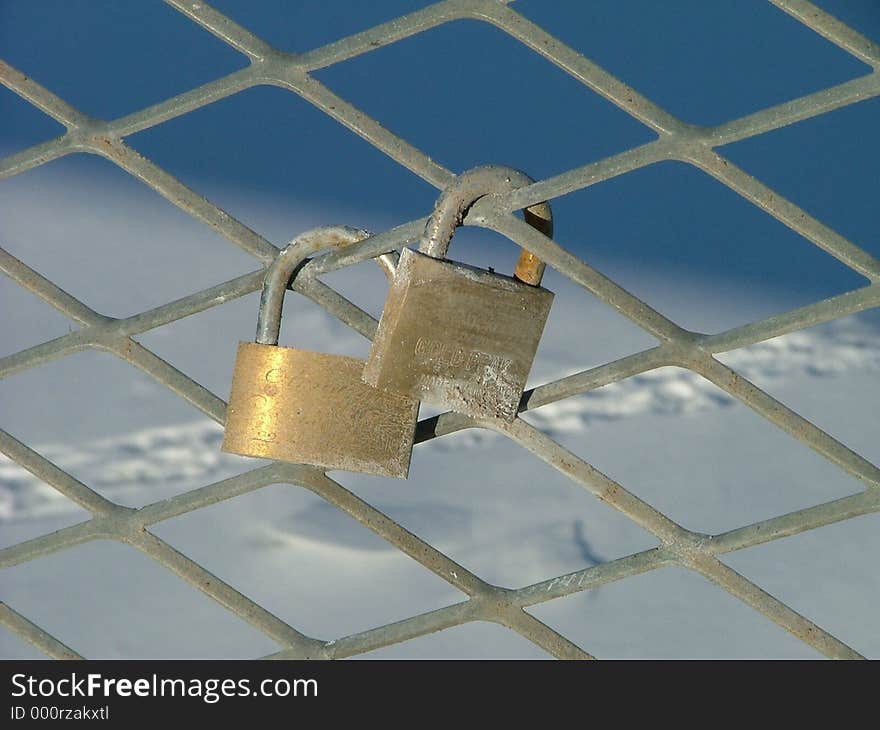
(456,336)
(314,408)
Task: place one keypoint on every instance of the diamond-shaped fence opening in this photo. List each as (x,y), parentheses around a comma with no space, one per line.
(676,141)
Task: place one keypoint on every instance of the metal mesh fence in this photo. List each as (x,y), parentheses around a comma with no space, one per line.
(678,347)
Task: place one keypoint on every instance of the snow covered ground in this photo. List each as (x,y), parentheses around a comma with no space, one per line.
(669,436)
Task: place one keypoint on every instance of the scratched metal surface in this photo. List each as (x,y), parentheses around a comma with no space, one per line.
(676,141)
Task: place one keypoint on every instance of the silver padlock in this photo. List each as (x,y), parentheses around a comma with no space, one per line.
(458,336)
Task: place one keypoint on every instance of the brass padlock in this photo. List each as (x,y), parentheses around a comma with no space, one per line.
(454,335)
(311,407)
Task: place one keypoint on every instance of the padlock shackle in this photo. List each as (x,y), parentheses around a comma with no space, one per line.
(290,258)
(463,192)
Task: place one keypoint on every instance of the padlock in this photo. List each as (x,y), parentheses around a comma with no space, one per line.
(311,407)
(458,336)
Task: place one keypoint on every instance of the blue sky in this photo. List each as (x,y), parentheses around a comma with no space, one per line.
(468,94)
